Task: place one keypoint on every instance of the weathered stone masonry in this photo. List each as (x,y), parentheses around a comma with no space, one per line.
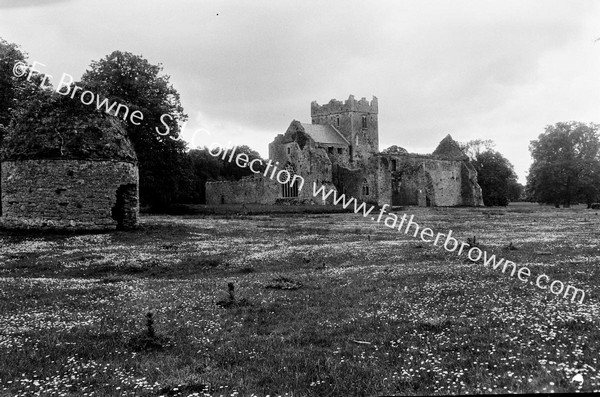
(255,189)
(79,194)
(72,172)
(424,181)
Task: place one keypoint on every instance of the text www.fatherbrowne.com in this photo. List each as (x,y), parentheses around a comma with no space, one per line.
(391,220)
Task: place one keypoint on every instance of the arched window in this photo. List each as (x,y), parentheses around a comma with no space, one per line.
(365,188)
(364,121)
(290,189)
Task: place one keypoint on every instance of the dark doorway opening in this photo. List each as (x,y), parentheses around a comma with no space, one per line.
(0,189)
(396,197)
(404,193)
(125,211)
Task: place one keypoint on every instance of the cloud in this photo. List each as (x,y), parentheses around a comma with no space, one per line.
(29,3)
(498,70)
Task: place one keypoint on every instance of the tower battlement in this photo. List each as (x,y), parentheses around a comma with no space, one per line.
(349,105)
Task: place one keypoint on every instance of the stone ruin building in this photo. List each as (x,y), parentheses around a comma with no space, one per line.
(69,174)
(340,149)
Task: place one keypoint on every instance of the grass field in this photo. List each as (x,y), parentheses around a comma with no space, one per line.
(323,305)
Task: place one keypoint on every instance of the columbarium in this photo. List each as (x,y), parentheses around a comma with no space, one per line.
(67,172)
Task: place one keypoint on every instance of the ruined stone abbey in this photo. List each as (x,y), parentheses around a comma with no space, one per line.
(340,149)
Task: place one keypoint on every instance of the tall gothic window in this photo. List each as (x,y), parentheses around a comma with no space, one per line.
(364,121)
(289,190)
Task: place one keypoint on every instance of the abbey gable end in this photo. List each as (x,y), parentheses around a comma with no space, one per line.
(340,149)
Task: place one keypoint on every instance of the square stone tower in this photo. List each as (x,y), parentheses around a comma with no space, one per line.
(356,121)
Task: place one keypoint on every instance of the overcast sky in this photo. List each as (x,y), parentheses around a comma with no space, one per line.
(499,70)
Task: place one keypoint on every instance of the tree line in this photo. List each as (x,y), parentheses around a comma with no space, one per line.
(565,168)
(566,165)
(495,173)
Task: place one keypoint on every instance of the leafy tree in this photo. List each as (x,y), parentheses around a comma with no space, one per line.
(13,89)
(516,191)
(9,83)
(495,174)
(475,146)
(394,149)
(165,172)
(566,164)
(231,171)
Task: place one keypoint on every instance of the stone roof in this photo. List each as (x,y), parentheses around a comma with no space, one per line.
(325,134)
(448,149)
(61,134)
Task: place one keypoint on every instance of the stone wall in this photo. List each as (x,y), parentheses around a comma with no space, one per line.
(311,160)
(69,194)
(427,181)
(358,183)
(471,191)
(295,148)
(347,118)
(254,189)
(350,105)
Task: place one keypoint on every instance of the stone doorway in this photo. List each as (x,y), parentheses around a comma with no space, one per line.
(125,211)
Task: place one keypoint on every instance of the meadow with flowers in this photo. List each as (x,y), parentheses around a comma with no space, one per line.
(301,305)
